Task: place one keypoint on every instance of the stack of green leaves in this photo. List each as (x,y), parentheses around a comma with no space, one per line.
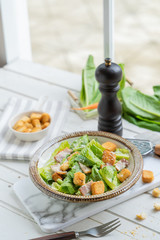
(141,109)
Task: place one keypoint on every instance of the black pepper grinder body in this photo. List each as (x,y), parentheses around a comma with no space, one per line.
(108,75)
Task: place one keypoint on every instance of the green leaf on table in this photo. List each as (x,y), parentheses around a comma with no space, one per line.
(143,124)
(156,90)
(136,103)
(89,92)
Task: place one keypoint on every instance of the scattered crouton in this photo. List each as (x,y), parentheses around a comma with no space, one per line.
(156,192)
(109,157)
(64,166)
(147,176)
(141,216)
(56,176)
(157,206)
(109,146)
(79,178)
(124,174)
(157,149)
(97,187)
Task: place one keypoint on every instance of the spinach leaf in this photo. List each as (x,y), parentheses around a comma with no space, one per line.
(149,125)
(136,103)
(122,82)
(156,90)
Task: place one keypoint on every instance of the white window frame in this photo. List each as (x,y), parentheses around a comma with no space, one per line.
(14,31)
(15,37)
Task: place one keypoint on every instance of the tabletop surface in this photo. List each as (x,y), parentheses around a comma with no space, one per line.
(30,80)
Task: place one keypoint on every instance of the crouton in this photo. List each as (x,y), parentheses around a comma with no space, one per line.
(141,216)
(124,174)
(147,176)
(45,125)
(156,192)
(97,187)
(157,149)
(35,116)
(21,129)
(45,118)
(35,129)
(109,157)
(56,176)
(157,206)
(64,166)
(28,125)
(25,119)
(18,124)
(109,146)
(79,178)
(36,123)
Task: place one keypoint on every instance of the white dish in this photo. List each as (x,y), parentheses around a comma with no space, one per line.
(33,136)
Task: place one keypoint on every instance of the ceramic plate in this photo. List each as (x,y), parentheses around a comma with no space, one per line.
(44,153)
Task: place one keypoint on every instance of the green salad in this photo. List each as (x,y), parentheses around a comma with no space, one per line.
(86,167)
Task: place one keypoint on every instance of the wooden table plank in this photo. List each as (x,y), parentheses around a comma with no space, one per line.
(16,227)
(143,203)
(44,73)
(29,87)
(132,229)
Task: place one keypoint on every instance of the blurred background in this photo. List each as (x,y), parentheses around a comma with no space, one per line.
(63,34)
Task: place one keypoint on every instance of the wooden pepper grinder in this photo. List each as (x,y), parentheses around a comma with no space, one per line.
(108,75)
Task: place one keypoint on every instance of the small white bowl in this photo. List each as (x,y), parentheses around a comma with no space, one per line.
(29,137)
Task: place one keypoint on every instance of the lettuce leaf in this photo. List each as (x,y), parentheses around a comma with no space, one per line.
(67,187)
(109,174)
(80,143)
(96,176)
(96,148)
(122,153)
(46,174)
(87,152)
(62,146)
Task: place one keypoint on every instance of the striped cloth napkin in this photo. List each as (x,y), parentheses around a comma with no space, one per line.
(10,146)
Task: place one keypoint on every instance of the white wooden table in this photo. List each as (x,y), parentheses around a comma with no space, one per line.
(30,80)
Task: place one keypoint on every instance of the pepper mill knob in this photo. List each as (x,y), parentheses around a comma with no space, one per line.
(108,74)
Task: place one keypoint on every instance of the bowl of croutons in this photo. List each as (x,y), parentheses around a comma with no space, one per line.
(86,166)
(30,126)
